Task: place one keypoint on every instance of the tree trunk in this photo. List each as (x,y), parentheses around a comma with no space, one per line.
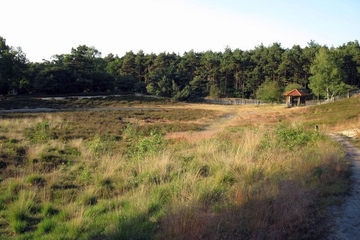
(327,93)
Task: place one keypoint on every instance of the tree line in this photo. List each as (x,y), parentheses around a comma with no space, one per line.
(189,76)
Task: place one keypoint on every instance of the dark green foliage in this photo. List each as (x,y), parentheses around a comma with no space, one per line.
(54,81)
(164,87)
(187,77)
(292,86)
(12,68)
(127,83)
(269,92)
(102,82)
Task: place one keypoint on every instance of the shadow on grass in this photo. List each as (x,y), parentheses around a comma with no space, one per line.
(290,214)
(139,227)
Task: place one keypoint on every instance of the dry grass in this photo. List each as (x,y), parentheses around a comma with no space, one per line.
(235,179)
(265,186)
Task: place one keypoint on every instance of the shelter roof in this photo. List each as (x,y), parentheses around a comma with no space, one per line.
(296,93)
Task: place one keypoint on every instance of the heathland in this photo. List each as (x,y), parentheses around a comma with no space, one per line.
(146,168)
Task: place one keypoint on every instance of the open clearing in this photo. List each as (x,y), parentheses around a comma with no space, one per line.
(221,162)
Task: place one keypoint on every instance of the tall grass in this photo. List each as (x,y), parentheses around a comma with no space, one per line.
(246,183)
(20,211)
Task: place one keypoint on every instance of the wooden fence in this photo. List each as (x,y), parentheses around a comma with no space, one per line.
(333,99)
(243,101)
(233,101)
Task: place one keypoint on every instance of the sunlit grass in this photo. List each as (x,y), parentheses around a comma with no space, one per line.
(99,176)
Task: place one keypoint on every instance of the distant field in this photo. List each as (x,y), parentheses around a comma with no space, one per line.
(135,168)
(70,102)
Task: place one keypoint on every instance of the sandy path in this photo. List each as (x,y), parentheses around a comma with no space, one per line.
(344,220)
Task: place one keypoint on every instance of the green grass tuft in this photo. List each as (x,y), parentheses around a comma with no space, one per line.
(46,226)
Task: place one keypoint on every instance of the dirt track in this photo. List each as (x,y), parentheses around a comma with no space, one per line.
(344,220)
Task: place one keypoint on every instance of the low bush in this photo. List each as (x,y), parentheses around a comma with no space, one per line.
(39,133)
(101,145)
(296,136)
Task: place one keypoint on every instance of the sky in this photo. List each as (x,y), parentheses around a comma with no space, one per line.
(43,28)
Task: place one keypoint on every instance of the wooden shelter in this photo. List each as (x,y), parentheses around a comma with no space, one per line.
(295,97)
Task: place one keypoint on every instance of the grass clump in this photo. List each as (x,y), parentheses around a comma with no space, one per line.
(48,210)
(101,145)
(41,132)
(141,145)
(149,145)
(36,180)
(19,212)
(46,226)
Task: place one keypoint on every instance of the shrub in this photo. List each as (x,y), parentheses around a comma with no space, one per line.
(100,145)
(269,91)
(151,144)
(295,136)
(130,132)
(40,133)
